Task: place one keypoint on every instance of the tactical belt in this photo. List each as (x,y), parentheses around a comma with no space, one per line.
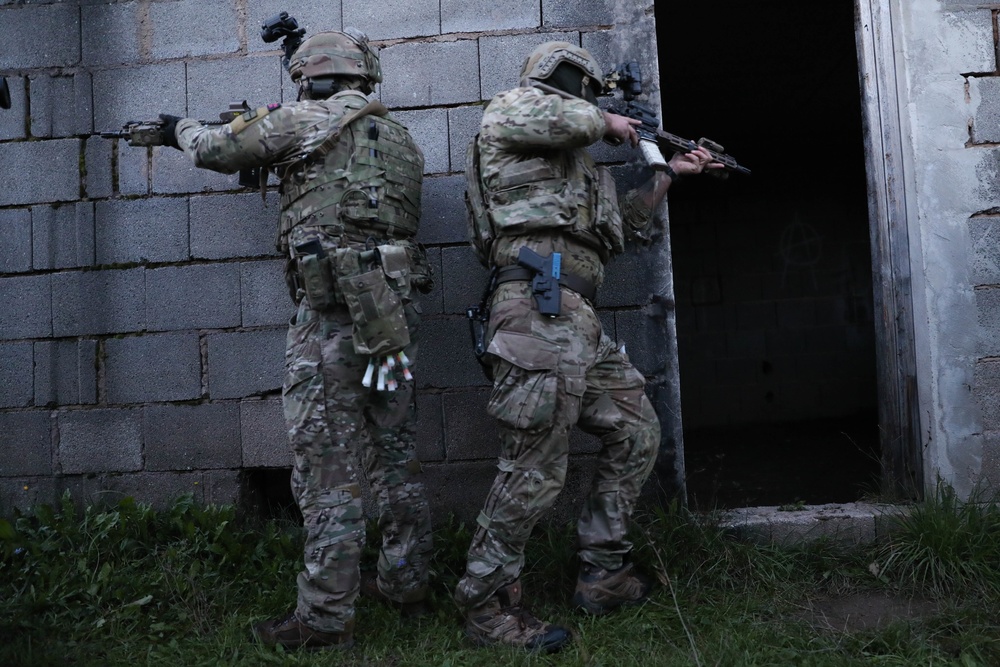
(513,273)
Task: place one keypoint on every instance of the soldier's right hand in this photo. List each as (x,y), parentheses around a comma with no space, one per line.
(621,128)
(168,132)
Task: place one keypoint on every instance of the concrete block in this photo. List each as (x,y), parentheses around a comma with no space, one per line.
(264,297)
(98,302)
(626,279)
(111,33)
(430,427)
(233,225)
(984,237)
(203,296)
(153,367)
(62,236)
(159,490)
(967,38)
(470,433)
(463,279)
(561,14)
(133,171)
(15,240)
(245,363)
(990,469)
(459,16)
(443,213)
(26,493)
(61,106)
(429,128)
(16,389)
(458,489)
(215,84)
(65,372)
(14,121)
(141,230)
(29,300)
(852,523)
(173,172)
(264,437)
(138,93)
(643,340)
(100,440)
(463,125)
(313,15)
(986,391)
(21,31)
(222,487)
(501,57)
(31,176)
(193,28)
(384,19)
(450,361)
(432,303)
(415,80)
(98,177)
(192,437)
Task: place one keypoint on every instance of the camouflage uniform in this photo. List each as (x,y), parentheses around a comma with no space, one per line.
(364,191)
(544,191)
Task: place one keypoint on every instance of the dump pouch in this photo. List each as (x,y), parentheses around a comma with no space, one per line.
(376,310)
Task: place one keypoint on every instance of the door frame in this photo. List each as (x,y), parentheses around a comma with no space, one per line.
(896,369)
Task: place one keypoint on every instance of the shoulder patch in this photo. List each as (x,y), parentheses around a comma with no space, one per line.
(243,121)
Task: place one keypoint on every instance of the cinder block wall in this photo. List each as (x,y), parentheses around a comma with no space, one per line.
(143,335)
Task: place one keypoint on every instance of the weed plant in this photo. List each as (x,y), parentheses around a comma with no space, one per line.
(182,587)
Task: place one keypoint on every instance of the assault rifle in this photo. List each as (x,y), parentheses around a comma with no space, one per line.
(652,140)
(148,133)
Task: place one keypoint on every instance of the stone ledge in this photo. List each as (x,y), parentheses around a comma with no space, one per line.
(843,522)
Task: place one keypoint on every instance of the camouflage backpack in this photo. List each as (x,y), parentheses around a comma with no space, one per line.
(481,232)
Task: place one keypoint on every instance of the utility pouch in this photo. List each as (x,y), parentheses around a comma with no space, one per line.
(376,310)
(396,265)
(607,215)
(316,275)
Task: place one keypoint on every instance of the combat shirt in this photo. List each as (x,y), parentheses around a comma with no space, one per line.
(542,140)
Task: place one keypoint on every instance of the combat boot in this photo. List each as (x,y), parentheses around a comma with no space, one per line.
(599,591)
(410,609)
(502,620)
(290,632)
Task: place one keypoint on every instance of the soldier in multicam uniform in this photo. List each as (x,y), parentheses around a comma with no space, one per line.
(531,183)
(350,204)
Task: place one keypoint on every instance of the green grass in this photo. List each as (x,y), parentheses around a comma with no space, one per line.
(131,586)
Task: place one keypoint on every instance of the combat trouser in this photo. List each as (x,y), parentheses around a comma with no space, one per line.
(549,375)
(333,423)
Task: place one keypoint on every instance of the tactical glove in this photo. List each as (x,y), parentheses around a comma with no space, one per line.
(168,131)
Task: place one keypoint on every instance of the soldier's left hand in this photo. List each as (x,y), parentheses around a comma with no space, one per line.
(695,162)
(168,132)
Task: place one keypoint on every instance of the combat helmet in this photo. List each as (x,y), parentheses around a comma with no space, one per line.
(562,65)
(335,54)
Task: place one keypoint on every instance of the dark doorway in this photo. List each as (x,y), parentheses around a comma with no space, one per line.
(772,272)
